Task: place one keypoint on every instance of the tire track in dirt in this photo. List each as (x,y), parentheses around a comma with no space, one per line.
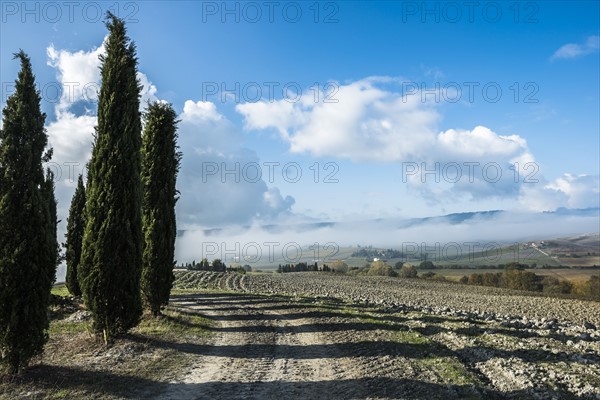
(249,353)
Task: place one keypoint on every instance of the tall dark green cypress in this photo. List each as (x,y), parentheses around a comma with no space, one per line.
(52,247)
(160,165)
(74,235)
(28,245)
(111,257)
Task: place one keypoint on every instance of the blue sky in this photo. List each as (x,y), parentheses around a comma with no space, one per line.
(375,56)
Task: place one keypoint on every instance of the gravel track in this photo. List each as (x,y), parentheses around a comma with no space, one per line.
(247,358)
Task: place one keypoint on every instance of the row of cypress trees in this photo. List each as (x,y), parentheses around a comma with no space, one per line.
(124,257)
(121,227)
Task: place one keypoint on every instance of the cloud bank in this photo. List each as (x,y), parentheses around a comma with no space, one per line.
(268,245)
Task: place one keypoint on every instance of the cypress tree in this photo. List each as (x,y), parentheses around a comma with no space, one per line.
(160,164)
(52,247)
(74,235)
(28,245)
(111,256)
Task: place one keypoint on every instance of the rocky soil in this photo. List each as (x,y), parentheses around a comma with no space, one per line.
(316,335)
(518,309)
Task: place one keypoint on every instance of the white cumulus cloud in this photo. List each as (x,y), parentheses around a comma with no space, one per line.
(78,73)
(372,122)
(363,121)
(218,180)
(568,190)
(574,50)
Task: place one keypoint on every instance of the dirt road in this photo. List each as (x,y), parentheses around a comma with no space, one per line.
(259,351)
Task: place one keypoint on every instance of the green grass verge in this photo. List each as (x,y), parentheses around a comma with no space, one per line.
(60,290)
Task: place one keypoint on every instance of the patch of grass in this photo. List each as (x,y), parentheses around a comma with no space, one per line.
(174,324)
(450,370)
(411,337)
(60,394)
(353,314)
(60,290)
(62,327)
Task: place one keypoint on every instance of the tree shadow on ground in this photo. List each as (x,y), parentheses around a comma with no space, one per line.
(304,352)
(482,353)
(95,384)
(313,314)
(354,321)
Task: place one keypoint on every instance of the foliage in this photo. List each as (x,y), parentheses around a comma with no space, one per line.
(74,235)
(521,280)
(111,257)
(590,288)
(408,271)
(339,267)
(380,268)
(29,251)
(371,253)
(553,285)
(238,269)
(475,279)
(301,267)
(160,165)
(215,266)
(514,277)
(493,279)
